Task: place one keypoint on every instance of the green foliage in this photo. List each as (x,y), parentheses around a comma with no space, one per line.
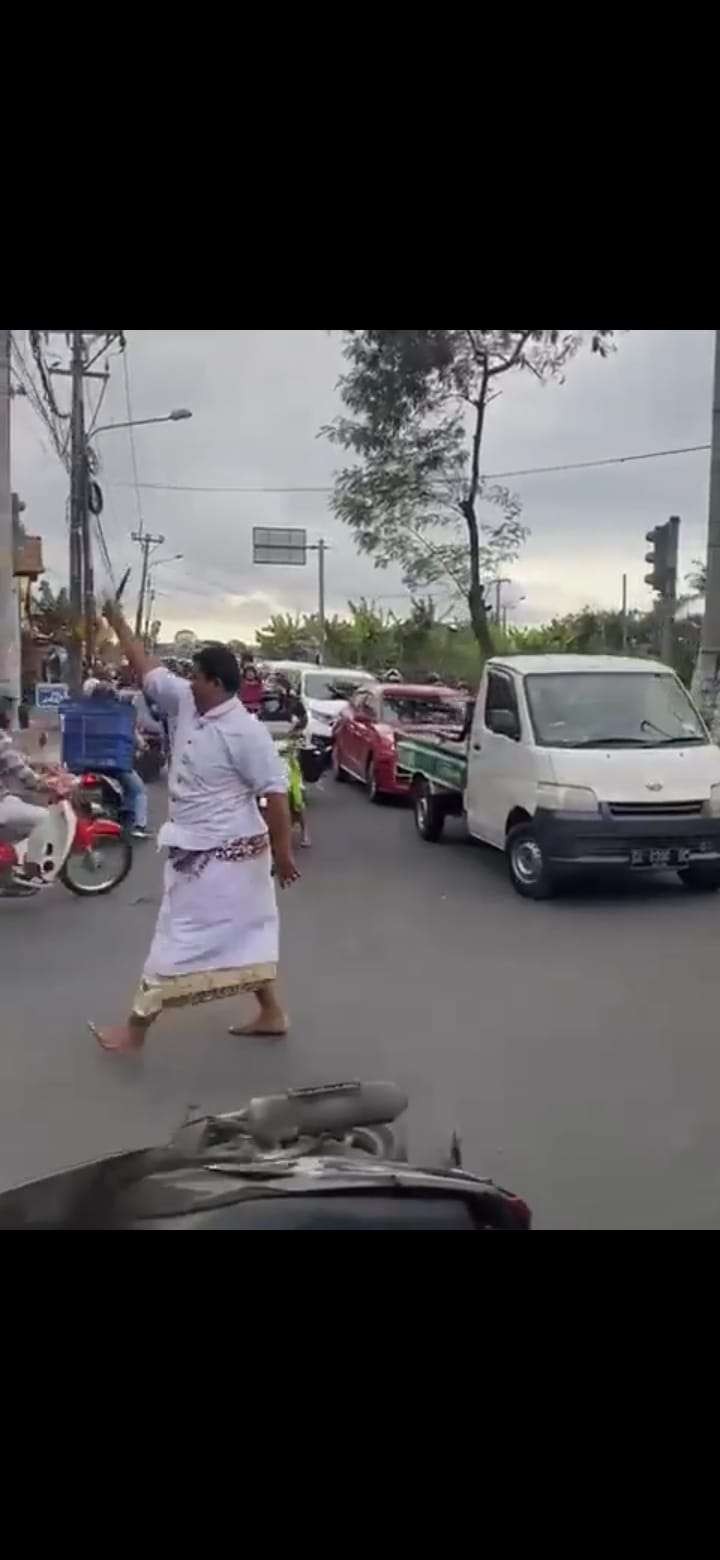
(591,632)
(417,401)
(419,645)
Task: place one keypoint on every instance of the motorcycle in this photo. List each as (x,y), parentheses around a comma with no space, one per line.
(326,1158)
(152,756)
(104,796)
(90,854)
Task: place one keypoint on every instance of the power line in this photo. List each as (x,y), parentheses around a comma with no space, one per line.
(25,379)
(37,352)
(613,460)
(173,487)
(135,482)
(525,471)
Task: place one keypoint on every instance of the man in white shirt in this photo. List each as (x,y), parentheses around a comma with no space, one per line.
(217,930)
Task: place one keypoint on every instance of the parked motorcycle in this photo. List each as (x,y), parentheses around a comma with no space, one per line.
(327,1158)
(90,854)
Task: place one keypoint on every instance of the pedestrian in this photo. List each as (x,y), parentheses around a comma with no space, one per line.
(294,710)
(217,930)
(252,688)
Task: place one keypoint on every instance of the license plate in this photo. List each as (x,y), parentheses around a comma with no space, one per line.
(661,856)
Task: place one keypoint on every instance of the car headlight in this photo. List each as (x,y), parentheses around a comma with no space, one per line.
(567,798)
(713,805)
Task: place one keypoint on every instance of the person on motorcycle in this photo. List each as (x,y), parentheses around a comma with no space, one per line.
(134,792)
(252,688)
(18,818)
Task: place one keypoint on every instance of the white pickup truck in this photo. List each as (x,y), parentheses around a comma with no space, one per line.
(575,763)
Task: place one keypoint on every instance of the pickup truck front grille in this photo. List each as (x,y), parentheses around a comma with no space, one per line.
(655,809)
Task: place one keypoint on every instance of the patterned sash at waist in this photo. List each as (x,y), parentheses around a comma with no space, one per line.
(193,862)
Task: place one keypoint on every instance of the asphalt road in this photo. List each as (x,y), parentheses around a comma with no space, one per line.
(573,1044)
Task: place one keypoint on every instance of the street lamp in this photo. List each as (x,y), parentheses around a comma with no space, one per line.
(150,590)
(510,606)
(178,415)
(176,557)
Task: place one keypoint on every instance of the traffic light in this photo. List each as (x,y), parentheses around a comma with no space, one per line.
(664,557)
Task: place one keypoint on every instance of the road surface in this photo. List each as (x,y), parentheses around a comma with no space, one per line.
(572,1044)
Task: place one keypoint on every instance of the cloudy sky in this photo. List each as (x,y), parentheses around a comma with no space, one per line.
(258,398)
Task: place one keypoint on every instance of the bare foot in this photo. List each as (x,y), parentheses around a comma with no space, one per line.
(120,1037)
(263,1026)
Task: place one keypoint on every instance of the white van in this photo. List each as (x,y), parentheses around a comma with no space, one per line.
(576,762)
(325,691)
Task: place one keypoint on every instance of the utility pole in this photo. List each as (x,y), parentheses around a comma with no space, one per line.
(320,548)
(78,508)
(88,571)
(706,682)
(145,542)
(9,620)
(151,594)
(82,574)
(498,599)
(623,613)
(321,597)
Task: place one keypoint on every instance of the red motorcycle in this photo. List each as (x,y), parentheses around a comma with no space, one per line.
(89,854)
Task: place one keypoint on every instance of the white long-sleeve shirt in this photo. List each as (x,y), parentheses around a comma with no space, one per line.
(221,763)
(14,769)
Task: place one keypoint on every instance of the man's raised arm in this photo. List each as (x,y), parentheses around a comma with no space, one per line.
(131,646)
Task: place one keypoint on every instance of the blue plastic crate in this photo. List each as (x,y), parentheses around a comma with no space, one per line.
(97,735)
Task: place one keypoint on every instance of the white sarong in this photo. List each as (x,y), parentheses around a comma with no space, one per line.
(216,934)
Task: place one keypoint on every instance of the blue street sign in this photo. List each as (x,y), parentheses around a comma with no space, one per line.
(49,695)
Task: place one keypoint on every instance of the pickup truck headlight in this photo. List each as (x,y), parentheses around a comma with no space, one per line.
(567,798)
(713,806)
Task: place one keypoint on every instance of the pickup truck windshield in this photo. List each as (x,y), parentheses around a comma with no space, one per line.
(404,710)
(618,709)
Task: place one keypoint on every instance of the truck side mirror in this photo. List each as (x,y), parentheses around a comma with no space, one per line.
(504,723)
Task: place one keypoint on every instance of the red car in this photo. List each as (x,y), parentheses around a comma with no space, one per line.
(364,737)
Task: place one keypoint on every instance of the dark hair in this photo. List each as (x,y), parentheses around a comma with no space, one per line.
(218,664)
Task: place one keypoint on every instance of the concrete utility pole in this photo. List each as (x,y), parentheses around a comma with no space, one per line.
(623,613)
(706,682)
(320,548)
(145,541)
(78,508)
(9,620)
(321,595)
(498,598)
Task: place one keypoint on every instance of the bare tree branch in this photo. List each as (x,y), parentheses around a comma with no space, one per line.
(514,357)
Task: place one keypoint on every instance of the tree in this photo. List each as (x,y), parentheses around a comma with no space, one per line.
(51,614)
(283,637)
(697,577)
(417,402)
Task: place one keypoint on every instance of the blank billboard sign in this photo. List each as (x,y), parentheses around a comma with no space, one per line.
(273,544)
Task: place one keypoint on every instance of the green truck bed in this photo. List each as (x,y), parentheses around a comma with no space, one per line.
(441,762)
